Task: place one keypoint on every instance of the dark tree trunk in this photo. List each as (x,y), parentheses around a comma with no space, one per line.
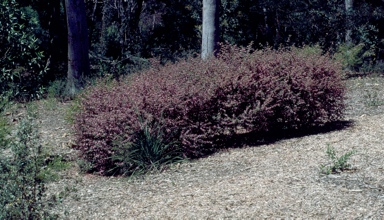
(210,35)
(78,57)
(135,23)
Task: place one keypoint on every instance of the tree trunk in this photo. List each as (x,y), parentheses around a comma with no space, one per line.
(348,32)
(210,35)
(78,57)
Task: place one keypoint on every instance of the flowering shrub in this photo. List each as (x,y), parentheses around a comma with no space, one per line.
(200,103)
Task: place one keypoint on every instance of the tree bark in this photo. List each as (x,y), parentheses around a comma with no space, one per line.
(348,32)
(210,35)
(78,57)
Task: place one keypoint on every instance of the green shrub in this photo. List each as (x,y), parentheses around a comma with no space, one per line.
(353,57)
(4,132)
(5,127)
(22,192)
(22,60)
(201,103)
(56,89)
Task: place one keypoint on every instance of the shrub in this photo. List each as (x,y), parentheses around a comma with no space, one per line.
(201,103)
(5,127)
(22,190)
(351,56)
(23,65)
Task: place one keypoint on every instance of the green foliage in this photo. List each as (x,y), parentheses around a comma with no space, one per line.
(56,164)
(148,151)
(73,109)
(5,127)
(115,68)
(372,98)
(311,50)
(22,193)
(337,164)
(22,61)
(84,165)
(352,57)
(4,132)
(56,89)
(5,101)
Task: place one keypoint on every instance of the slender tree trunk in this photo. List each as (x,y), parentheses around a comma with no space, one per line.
(210,35)
(57,42)
(105,21)
(348,32)
(137,14)
(78,57)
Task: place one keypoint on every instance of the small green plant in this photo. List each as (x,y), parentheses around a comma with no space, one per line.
(56,89)
(372,99)
(147,152)
(53,166)
(84,165)
(337,164)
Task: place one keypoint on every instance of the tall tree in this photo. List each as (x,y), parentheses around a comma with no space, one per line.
(348,32)
(78,49)
(210,35)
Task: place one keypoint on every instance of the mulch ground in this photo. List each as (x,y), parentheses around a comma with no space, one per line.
(278,180)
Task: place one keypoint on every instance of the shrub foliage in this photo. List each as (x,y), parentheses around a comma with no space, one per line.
(22,193)
(200,104)
(23,64)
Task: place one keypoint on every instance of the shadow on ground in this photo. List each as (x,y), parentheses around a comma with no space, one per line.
(269,137)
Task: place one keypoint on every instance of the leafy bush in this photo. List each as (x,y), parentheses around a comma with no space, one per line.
(4,132)
(199,104)
(22,192)
(361,57)
(22,61)
(5,127)
(351,57)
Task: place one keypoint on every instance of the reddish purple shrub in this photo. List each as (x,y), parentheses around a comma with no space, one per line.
(199,103)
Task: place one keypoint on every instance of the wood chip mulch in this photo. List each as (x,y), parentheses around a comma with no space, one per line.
(280,180)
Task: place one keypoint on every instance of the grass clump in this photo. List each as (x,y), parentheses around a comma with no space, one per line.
(147,152)
(53,165)
(200,104)
(337,164)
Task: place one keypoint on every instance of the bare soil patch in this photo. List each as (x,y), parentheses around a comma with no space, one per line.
(267,181)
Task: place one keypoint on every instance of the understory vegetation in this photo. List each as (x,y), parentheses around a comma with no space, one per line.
(193,107)
(23,171)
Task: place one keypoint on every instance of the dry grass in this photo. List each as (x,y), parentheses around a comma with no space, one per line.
(270,181)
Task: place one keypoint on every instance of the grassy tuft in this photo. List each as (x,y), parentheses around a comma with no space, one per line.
(147,152)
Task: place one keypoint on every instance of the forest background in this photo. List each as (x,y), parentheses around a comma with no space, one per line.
(125,34)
